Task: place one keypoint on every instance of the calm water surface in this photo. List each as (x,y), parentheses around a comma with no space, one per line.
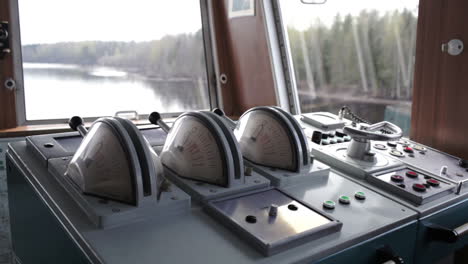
(61,91)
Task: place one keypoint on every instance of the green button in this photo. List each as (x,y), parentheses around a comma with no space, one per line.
(2,168)
(1,150)
(1,162)
(360,195)
(329,204)
(344,199)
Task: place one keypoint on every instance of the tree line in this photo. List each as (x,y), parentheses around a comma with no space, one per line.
(173,56)
(371,53)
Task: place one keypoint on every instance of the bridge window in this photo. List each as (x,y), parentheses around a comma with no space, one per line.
(356,53)
(94,58)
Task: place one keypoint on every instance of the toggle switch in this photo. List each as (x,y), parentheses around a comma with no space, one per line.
(273,210)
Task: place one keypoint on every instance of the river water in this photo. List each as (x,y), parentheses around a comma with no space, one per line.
(54,91)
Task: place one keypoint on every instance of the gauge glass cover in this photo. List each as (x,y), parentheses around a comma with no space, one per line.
(101,167)
(264,140)
(192,151)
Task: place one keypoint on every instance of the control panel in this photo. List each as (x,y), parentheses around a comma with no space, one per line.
(291,189)
(379,155)
(412,184)
(430,160)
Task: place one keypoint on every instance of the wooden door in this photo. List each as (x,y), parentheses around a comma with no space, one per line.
(440,97)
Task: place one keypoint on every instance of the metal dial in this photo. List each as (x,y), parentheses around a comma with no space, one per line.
(193,151)
(264,139)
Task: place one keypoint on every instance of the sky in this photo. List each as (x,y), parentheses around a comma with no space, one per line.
(51,21)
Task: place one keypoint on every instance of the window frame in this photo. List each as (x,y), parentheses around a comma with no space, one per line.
(210,59)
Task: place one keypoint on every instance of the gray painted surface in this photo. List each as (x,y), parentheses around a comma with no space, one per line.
(203,239)
(5,240)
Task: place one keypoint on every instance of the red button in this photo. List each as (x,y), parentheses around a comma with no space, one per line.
(408,150)
(433,182)
(397,178)
(411,174)
(419,187)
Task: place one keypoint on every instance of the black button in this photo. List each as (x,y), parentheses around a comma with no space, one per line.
(392,144)
(251,219)
(433,182)
(292,207)
(324,136)
(408,150)
(317,137)
(397,178)
(340,134)
(463,163)
(411,174)
(419,187)
(401,185)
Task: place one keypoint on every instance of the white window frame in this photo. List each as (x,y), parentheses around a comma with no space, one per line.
(210,58)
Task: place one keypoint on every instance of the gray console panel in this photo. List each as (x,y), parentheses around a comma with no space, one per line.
(204,191)
(281,178)
(198,238)
(106,214)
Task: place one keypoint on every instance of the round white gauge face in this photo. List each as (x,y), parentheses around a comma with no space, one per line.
(191,150)
(264,140)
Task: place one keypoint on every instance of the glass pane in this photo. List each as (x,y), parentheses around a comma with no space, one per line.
(94,58)
(356,53)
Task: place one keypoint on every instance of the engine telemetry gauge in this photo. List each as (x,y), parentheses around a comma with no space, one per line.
(200,147)
(268,137)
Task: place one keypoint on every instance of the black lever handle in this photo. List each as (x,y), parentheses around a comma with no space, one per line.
(441,233)
(155,119)
(76,123)
(386,254)
(219,112)
(228,120)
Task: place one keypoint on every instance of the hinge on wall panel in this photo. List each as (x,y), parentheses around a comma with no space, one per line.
(4,40)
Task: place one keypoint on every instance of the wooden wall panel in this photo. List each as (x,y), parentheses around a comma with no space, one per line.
(7,97)
(244,56)
(452,120)
(440,93)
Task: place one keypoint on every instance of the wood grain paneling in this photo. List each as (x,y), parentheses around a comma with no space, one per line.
(243,54)
(440,93)
(7,97)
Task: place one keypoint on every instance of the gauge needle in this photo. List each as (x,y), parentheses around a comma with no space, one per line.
(257,132)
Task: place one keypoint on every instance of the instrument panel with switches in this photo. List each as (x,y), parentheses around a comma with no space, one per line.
(256,190)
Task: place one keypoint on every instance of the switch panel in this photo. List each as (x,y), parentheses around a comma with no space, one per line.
(412,185)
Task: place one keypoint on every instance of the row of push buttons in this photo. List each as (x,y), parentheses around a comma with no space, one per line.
(344,199)
(329,138)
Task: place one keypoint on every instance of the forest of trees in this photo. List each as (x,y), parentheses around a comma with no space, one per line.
(372,54)
(179,56)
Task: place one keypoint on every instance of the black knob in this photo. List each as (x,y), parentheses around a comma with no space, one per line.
(340,134)
(219,112)
(74,122)
(317,137)
(463,163)
(154,118)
